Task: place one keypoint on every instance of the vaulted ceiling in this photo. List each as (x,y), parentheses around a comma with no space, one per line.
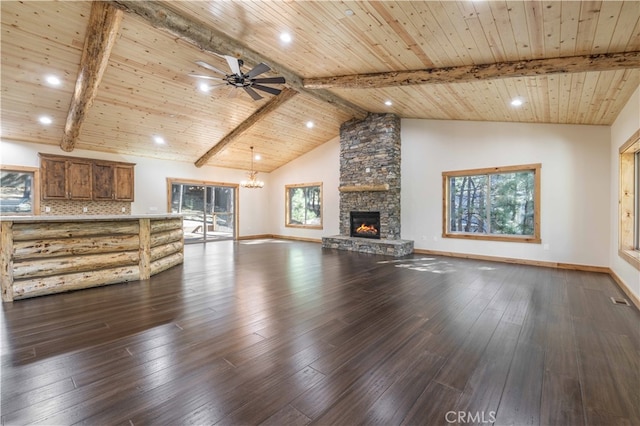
(126,70)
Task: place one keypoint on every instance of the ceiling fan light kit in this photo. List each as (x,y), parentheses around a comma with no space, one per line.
(248,81)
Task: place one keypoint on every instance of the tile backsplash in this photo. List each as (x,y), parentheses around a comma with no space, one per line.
(77,208)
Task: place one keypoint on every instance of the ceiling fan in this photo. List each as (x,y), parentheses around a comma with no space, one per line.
(246,81)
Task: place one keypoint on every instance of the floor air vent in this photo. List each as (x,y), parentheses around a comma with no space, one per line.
(620,301)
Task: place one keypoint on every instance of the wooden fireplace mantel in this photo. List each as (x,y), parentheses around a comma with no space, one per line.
(364,188)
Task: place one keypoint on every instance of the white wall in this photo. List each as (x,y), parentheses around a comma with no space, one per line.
(626,124)
(574,184)
(320,165)
(150,181)
(577,216)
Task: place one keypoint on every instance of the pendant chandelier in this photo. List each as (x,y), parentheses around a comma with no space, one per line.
(253,182)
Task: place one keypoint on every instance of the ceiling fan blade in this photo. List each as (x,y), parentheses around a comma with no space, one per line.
(252,93)
(257,70)
(271,90)
(208,77)
(233,64)
(268,80)
(210,67)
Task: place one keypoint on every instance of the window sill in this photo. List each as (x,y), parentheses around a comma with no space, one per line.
(304,226)
(511,238)
(630,256)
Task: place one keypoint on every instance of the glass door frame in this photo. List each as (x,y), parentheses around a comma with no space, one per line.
(206,184)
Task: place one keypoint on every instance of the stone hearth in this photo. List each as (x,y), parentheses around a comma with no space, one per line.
(370,181)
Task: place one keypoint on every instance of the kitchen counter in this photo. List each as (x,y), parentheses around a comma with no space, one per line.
(51,254)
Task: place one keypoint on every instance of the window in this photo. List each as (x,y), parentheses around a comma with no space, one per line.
(629,201)
(19,190)
(500,204)
(304,205)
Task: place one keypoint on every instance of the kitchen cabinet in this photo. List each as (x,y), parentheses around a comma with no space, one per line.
(123,185)
(72,178)
(113,181)
(66,178)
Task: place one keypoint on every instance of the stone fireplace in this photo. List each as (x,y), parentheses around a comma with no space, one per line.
(370,185)
(365,225)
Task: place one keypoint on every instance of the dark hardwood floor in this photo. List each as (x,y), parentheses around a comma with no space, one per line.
(286,333)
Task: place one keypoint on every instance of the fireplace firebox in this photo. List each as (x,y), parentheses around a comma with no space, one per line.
(365,224)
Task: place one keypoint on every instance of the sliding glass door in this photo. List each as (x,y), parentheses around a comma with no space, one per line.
(208,210)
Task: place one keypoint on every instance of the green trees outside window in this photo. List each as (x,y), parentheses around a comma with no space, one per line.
(304,205)
(499,203)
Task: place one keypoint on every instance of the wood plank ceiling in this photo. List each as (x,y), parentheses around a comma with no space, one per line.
(346,58)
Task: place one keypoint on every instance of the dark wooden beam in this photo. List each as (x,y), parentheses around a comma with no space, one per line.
(210,40)
(528,68)
(104,22)
(266,109)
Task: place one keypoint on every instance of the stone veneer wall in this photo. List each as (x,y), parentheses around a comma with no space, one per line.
(370,156)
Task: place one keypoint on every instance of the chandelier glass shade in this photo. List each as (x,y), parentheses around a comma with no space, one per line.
(253,181)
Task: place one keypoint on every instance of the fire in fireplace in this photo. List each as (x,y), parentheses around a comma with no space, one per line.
(365,224)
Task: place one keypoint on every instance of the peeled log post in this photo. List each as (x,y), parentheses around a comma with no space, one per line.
(102,29)
(6,261)
(145,249)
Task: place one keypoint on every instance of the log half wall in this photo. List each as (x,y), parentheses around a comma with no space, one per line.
(49,255)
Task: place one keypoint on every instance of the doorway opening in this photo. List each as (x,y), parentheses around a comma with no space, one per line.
(208,209)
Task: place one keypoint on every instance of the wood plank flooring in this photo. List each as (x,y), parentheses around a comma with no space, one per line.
(272,332)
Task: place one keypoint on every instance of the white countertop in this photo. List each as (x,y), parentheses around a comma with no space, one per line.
(88,217)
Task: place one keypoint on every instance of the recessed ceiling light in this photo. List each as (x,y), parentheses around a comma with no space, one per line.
(285,38)
(388,103)
(310,124)
(53,80)
(45,120)
(257,157)
(516,102)
(348,12)
(204,87)
(159,140)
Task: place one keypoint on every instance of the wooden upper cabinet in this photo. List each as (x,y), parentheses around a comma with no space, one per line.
(53,173)
(123,176)
(79,178)
(102,181)
(66,178)
(71,178)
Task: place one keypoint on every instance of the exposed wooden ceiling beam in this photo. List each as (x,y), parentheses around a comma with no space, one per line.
(102,29)
(528,68)
(266,109)
(209,40)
